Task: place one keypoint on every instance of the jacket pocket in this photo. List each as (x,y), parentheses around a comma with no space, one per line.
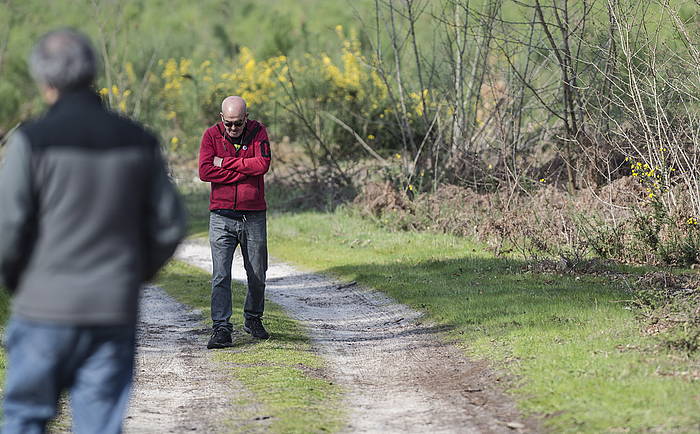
(248,191)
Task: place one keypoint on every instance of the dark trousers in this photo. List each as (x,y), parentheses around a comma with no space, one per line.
(225,234)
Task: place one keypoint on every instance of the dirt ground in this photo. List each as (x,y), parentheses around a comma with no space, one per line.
(398,372)
(178,387)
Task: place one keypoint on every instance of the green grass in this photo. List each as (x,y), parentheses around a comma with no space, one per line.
(4,316)
(574,349)
(281,373)
(196,202)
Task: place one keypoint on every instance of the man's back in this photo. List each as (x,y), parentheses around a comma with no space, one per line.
(88,214)
(95,180)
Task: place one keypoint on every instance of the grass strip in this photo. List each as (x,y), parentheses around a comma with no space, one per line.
(283,373)
(5,301)
(573,345)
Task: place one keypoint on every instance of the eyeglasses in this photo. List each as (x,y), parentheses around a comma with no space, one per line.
(238,123)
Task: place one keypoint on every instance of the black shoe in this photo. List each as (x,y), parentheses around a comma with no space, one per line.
(255,328)
(221,338)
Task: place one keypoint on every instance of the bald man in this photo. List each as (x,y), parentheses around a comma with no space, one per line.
(234,157)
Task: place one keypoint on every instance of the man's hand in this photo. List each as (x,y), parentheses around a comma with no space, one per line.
(218,161)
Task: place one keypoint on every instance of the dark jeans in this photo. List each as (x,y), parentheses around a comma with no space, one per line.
(95,363)
(225,234)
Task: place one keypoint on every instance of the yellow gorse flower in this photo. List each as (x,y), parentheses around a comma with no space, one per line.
(256,81)
(350,76)
(184,84)
(417,99)
(651,177)
(130,74)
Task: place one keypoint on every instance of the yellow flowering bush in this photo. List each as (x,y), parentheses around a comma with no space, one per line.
(181,96)
(119,98)
(348,82)
(651,178)
(255,80)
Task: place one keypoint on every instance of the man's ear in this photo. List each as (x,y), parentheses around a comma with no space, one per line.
(50,94)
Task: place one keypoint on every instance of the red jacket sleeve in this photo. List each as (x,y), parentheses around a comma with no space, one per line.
(252,166)
(210,173)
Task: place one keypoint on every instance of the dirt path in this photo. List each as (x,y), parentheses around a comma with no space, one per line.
(399,374)
(178,387)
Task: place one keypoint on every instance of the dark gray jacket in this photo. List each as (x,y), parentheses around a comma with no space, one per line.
(87,214)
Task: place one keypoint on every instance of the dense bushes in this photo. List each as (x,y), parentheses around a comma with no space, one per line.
(617,221)
(495,103)
(292,95)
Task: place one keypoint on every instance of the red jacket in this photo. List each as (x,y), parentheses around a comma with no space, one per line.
(238,184)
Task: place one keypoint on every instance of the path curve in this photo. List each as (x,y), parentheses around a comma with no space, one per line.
(398,373)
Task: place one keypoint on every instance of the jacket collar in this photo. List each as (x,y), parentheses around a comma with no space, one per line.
(76,97)
(233,140)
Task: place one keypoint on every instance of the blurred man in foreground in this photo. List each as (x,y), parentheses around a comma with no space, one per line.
(88,214)
(234,156)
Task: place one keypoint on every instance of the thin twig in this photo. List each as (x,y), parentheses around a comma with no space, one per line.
(357,137)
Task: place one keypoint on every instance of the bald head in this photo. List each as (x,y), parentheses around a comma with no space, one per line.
(233,106)
(234,115)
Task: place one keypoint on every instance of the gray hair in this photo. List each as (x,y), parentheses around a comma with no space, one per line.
(63,59)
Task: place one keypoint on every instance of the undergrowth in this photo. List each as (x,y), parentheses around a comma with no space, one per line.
(669,307)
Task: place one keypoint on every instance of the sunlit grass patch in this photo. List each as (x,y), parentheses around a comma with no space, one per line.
(571,343)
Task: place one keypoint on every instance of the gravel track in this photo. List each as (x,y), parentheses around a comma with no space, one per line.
(398,372)
(178,388)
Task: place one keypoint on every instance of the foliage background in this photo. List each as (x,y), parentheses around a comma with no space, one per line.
(510,101)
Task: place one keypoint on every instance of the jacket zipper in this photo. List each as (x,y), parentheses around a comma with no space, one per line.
(235,186)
